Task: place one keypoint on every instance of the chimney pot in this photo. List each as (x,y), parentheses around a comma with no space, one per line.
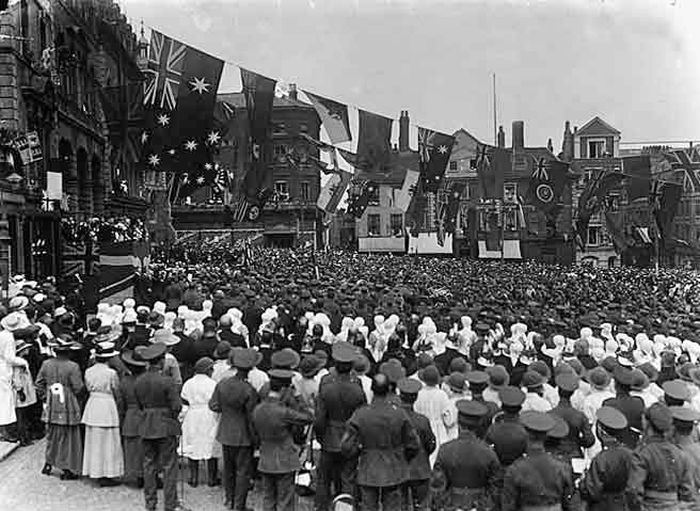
(501,137)
(404,122)
(292,91)
(518,135)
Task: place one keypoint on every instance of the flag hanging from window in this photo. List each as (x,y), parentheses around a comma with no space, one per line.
(259,92)
(435,149)
(334,117)
(179,96)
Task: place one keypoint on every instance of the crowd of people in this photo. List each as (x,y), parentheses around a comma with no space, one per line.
(385,382)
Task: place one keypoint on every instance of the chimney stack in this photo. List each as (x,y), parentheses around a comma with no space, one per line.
(501,138)
(293,91)
(567,146)
(550,146)
(404,121)
(518,135)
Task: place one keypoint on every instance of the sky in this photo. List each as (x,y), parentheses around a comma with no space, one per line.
(634,63)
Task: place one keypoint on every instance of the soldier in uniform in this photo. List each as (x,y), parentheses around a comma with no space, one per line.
(661,476)
(580,435)
(466,469)
(478,382)
(339,395)
(507,436)
(537,482)
(631,406)
(236,399)
(684,421)
(604,484)
(383,439)
(417,489)
(159,401)
(274,422)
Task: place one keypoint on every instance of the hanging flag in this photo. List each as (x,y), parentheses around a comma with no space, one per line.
(592,199)
(259,94)
(415,208)
(687,160)
(332,192)
(359,197)
(492,163)
(637,170)
(374,142)
(117,271)
(452,207)
(404,195)
(666,197)
(547,182)
(614,223)
(435,149)
(334,117)
(179,96)
(322,147)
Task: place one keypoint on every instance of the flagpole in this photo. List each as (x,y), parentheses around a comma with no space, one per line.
(495,121)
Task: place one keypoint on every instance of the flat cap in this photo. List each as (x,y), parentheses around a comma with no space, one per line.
(676,389)
(344,352)
(409,386)
(660,417)
(684,414)
(477,377)
(567,382)
(511,396)
(611,418)
(537,421)
(560,429)
(471,409)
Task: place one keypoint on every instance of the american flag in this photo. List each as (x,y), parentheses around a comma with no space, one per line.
(165,62)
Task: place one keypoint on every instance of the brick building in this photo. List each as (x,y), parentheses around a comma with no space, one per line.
(56,56)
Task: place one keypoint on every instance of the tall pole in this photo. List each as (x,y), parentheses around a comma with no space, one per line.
(495,121)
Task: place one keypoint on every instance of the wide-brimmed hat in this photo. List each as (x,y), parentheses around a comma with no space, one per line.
(64,343)
(457,382)
(133,358)
(152,352)
(310,366)
(14,321)
(165,337)
(106,350)
(245,358)
(532,379)
(222,350)
(599,378)
(21,346)
(286,358)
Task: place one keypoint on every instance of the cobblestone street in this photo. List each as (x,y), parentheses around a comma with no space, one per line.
(24,488)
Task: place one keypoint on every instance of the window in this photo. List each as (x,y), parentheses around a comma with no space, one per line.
(373,194)
(596,148)
(453,165)
(472,163)
(282,190)
(278,128)
(510,192)
(305,191)
(614,203)
(396,221)
(280,151)
(373,225)
(594,236)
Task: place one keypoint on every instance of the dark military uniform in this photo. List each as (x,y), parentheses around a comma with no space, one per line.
(383,438)
(580,433)
(279,457)
(604,486)
(339,396)
(508,437)
(159,401)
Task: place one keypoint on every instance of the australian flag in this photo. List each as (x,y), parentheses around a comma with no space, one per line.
(179,96)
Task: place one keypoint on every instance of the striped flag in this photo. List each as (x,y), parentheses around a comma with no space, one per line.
(117,271)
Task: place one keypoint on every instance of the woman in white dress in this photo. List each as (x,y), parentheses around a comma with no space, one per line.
(434,403)
(8,361)
(103,458)
(199,423)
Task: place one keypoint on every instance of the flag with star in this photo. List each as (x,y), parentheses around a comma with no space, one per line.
(548,179)
(374,143)
(435,149)
(359,197)
(259,92)
(179,96)
(451,207)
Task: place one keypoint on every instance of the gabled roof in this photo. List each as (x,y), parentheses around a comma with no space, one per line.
(237,99)
(466,133)
(596,126)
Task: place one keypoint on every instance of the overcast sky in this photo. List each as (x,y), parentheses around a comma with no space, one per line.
(635,63)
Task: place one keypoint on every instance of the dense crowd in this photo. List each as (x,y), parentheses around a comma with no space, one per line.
(392,382)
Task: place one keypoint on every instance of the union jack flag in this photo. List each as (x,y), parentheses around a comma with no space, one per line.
(425,143)
(540,171)
(165,62)
(688,161)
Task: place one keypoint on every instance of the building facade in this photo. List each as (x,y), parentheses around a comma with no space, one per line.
(56,56)
(291,216)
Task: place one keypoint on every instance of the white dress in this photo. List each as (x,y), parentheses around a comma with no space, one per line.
(8,360)
(200,423)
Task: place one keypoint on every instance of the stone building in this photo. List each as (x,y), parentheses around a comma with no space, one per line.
(56,58)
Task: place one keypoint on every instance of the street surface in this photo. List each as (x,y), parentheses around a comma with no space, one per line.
(24,488)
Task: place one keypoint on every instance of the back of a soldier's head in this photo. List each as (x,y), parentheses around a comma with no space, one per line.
(380,385)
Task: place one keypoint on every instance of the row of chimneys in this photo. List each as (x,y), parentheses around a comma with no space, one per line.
(518,139)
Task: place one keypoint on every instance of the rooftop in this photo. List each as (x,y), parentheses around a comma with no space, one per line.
(237,100)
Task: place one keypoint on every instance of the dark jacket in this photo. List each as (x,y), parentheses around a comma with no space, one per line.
(159,401)
(509,439)
(604,485)
(536,480)
(632,407)
(465,473)
(419,466)
(580,434)
(205,347)
(274,423)
(385,441)
(186,355)
(130,414)
(339,396)
(235,399)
